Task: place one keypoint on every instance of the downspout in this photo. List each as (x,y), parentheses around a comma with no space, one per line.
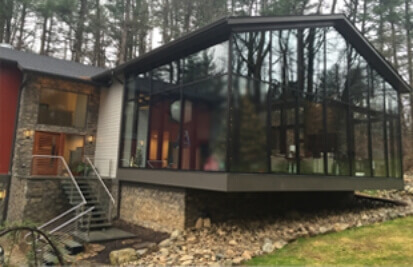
(16,121)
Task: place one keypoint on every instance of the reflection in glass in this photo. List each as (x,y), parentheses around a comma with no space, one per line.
(164,130)
(251,55)
(361,148)
(204,125)
(338,162)
(336,65)
(208,62)
(249,132)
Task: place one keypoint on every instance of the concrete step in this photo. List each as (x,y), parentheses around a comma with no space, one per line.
(72,247)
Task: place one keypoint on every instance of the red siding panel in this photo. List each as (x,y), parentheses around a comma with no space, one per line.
(10,79)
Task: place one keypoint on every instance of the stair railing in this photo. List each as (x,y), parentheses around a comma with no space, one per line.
(112,201)
(79,206)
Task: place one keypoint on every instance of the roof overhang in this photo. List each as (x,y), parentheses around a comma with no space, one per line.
(221,29)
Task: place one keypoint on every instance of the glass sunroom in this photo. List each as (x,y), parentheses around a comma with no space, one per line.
(263,104)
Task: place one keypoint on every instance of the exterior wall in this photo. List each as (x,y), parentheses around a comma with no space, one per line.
(157,207)
(167,208)
(10,79)
(108,129)
(31,198)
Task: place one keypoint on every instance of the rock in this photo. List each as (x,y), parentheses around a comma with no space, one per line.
(230,253)
(227,263)
(122,256)
(148,245)
(267,247)
(199,223)
(246,255)
(279,244)
(238,260)
(164,251)
(141,252)
(175,234)
(219,256)
(96,247)
(186,263)
(207,223)
(340,227)
(221,232)
(322,229)
(233,242)
(191,239)
(165,243)
(186,258)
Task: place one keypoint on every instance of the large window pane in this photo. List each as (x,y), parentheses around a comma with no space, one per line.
(164,130)
(311,103)
(311,136)
(282,142)
(62,108)
(361,148)
(136,112)
(284,86)
(337,138)
(336,65)
(249,131)
(205,125)
(208,62)
(251,55)
(392,124)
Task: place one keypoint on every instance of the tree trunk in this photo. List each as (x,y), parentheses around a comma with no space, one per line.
(79,31)
(44,35)
(97,59)
(21,28)
(333,7)
(9,15)
(409,56)
(124,34)
(395,45)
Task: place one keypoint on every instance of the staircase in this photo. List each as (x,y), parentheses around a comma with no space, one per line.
(100,215)
(91,206)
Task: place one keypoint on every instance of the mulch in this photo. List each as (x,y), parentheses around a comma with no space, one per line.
(144,236)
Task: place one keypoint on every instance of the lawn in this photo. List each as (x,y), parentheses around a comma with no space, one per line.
(383,244)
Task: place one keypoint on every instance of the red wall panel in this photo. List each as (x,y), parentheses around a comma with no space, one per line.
(10,79)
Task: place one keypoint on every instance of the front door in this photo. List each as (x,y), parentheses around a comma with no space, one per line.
(49,144)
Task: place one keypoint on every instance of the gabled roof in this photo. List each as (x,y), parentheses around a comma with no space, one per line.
(221,29)
(48,65)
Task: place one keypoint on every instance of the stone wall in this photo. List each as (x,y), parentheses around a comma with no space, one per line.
(167,208)
(157,207)
(35,199)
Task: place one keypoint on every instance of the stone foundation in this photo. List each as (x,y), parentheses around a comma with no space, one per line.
(168,208)
(36,200)
(160,208)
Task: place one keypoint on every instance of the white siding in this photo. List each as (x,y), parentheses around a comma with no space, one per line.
(108,130)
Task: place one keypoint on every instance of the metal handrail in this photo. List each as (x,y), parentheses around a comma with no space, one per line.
(71,220)
(100,180)
(82,203)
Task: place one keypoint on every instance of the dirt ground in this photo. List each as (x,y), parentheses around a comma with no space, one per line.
(99,253)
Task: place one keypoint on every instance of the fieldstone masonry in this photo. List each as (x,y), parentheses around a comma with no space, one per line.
(33,198)
(167,208)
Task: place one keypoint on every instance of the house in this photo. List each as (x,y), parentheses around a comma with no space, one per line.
(228,118)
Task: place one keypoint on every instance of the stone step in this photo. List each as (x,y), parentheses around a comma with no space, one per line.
(95,226)
(73,247)
(49,259)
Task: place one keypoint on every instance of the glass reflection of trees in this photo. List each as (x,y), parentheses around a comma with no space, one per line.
(302,101)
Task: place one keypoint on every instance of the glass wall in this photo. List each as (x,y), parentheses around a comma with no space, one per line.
(175,116)
(294,101)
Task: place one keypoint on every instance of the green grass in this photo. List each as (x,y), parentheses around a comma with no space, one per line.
(383,244)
